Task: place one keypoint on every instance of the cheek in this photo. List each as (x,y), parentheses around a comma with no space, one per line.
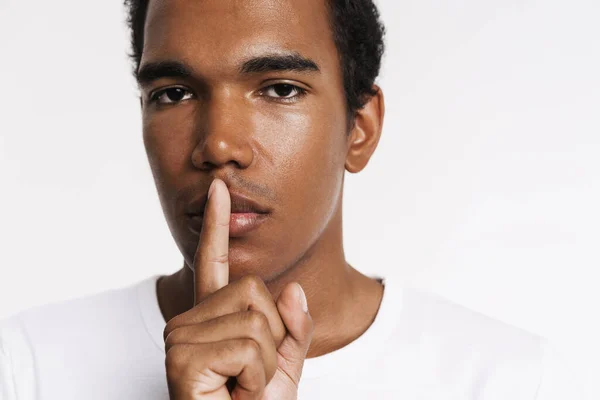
(167,142)
(301,141)
(308,153)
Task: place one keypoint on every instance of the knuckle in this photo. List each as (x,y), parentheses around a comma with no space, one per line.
(253,284)
(256,383)
(257,322)
(170,327)
(251,350)
(173,338)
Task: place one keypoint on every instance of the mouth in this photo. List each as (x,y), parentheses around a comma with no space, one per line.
(240,224)
(246,215)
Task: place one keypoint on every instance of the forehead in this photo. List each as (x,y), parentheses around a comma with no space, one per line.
(219,33)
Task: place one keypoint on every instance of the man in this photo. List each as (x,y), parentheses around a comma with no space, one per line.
(252,113)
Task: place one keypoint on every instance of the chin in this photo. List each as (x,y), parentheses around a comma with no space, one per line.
(247,256)
(243,262)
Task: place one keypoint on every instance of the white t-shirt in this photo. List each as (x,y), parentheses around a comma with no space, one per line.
(420,347)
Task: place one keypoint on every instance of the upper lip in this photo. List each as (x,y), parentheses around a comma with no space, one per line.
(239,204)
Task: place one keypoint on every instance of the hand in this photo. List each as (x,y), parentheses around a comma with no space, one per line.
(234,330)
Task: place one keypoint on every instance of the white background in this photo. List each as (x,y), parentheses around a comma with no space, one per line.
(485,186)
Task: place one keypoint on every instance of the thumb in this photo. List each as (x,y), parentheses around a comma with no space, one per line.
(293,308)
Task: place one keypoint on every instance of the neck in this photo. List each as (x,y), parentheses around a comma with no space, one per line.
(342,302)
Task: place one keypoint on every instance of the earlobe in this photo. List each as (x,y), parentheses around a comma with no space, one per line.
(365,134)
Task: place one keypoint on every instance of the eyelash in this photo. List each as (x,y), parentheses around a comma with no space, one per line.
(300,92)
(154,96)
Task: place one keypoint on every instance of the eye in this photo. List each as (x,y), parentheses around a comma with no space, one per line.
(170,95)
(284,92)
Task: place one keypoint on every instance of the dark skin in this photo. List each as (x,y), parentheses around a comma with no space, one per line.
(228,112)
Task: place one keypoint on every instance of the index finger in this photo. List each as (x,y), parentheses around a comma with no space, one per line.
(211,262)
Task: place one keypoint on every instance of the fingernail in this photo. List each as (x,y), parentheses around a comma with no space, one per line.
(302,298)
(211,188)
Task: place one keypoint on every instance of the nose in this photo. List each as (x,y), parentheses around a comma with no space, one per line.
(223,134)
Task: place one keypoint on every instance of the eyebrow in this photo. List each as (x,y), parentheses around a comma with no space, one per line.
(278,62)
(155,70)
(284,62)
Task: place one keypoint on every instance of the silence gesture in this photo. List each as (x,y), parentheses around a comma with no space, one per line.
(234,331)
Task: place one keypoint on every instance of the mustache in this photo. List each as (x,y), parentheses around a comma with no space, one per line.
(235,183)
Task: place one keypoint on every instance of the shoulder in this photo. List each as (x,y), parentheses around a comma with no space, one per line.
(79,313)
(459,345)
(447,321)
(70,349)
(70,322)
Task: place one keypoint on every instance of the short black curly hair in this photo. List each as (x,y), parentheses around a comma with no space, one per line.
(358,35)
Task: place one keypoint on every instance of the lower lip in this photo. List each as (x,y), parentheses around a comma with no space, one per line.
(239,223)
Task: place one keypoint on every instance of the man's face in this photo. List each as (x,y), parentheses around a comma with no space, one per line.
(236,117)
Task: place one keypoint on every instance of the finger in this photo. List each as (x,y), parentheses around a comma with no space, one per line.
(241,325)
(293,308)
(201,370)
(211,262)
(247,293)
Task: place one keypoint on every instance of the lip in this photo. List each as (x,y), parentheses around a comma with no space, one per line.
(246,214)
(239,204)
(240,224)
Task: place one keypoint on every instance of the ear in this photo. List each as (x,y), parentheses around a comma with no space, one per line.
(364,136)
